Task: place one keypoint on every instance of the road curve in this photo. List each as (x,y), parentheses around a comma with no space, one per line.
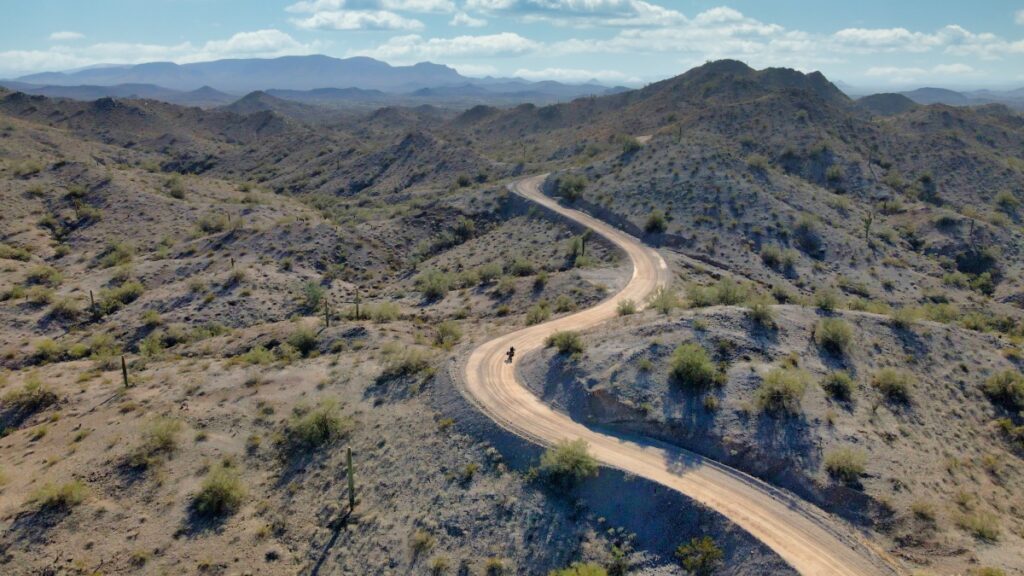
(804,536)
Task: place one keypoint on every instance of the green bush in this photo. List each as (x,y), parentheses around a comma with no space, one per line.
(303,339)
(112,299)
(538,313)
(447,334)
(405,362)
(159,438)
(846,464)
(626,307)
(664,299)
(826,299)
(782,389)
(571,186)
(903,318)
(383,312)
(566,342)
(1007,388)
(44,275)
(895,384)
(59,497)
(318,427)
(690,366)
(434,284)
(31,398)
(116,254)
(761,311)
(312,296)
(834,335)
(488,273)
(221,493)
(839,385)
(656,222)
(8,252)
(257,355)
(521,267)
(981,525)
(48,350)
(568,463)
(700,556)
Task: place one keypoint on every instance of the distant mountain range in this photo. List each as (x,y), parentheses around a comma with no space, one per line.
(1011,98)
(315,79)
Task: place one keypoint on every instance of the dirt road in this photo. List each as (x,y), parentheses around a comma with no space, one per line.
(802,535)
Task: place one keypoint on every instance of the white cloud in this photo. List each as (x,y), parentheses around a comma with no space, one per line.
(415,48)
(574,75)
(65,35)
(314,6)
(583,13)
(477,70)
(357,20)
(1019,17)
(257,44)
(463,19)
(910,74)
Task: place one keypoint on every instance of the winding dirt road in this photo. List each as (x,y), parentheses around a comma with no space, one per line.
(802,535)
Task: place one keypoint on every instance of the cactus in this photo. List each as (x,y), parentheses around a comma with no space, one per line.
(351,482)
(124,372)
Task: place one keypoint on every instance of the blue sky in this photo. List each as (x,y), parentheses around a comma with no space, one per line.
(871,43)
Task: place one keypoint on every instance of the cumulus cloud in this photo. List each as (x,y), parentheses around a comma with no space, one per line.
(583,13)
(357,20)
(314,6)
(66,35)
(257,44)
(463,19)
(910,74)
(415,48)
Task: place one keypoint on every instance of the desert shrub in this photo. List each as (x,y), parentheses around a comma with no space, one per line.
(303,339)
(447,334)
(383,312)
(8,252)
(895,384)
(691,367)
(36,295)
(1007,388)
(312,296)
(405,362)
(47,350)
(982,525)
(568,463)
(839,385)
(44,275)
(571,186)
(806,234)
(700,556)
(656,222)
(422,542)
(175,187)
(564,303)
(220,494)
(834,335)
(757,162)
(439,565)
(782,389)
(664,299)
(578,569)
(257,355)
(987,571)
(434,284)
(159,438)
(626,307)
(318,427)
(212,223)
(152,345)
(538,313)
(116,254)
(566,342)
(521,267)
(506,287)
(826,299)
(540,280)
(846,464)
(495,567)
(112,299)
(59,497)
(728,292)
(488,273)
(903,318)
(31,398)
(761,311)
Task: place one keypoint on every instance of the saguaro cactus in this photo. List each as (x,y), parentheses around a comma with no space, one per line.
(351,482)
(124,372)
